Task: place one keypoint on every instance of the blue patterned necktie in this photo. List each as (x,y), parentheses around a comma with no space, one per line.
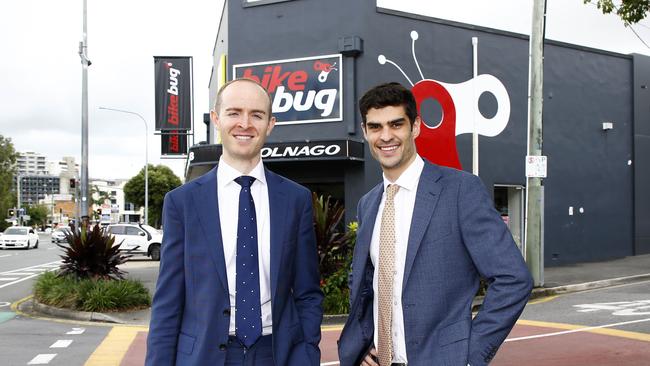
(248,315)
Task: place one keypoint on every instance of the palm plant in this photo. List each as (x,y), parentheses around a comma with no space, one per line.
(332,242)
(91,254)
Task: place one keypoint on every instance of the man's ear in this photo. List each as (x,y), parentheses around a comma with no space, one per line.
(363,128)
(416,127)
(214,117)
(271,125)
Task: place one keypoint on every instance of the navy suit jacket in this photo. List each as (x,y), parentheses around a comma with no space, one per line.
(190,316)
(456,236)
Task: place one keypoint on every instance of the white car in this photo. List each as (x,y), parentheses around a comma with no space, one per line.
(137,239)
(58,235)
(19,237)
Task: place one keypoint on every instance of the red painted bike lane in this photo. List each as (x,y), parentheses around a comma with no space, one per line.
(555,344)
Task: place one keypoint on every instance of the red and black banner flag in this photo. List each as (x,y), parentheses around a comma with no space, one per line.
(173,77)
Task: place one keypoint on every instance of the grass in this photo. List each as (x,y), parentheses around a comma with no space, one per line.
(90,294)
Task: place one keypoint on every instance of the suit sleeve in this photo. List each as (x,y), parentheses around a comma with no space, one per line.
(499,261)
(307,293)
(167,306)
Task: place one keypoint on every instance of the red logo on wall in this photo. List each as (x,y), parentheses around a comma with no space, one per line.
(460,112)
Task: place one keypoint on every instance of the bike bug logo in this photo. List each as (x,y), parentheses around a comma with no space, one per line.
(459,103)
(303,90)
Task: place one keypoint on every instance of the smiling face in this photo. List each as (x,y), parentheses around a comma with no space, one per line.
(391,138)
(244,121)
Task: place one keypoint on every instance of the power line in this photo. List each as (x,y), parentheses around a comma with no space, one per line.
(637,35)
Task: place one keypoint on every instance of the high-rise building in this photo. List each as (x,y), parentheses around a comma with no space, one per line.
(31,163)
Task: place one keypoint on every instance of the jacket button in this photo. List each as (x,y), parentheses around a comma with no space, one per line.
(226,312)
(222,347)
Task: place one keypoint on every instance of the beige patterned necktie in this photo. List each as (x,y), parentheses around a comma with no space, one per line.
(386,277)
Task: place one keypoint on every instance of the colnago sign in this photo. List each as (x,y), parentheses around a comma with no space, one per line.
(304,90)
(173,82)
(298,150)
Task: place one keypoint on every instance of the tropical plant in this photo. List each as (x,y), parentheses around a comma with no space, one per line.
(331,241)
(91,254)
(335,286)
(102,197)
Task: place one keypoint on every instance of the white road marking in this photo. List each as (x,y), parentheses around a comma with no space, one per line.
(5,255)
(42,359)
(9,278)
(22,273)
(620,308)
(77,331)
(576,330)
(61,343)
(37,268)
(33,268)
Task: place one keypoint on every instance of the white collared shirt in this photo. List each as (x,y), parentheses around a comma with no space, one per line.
(404,205)
(228,198)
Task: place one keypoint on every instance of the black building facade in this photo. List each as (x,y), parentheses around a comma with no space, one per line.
(596,115)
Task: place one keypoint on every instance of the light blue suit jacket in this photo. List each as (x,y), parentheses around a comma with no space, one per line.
(456,236)
(191,308)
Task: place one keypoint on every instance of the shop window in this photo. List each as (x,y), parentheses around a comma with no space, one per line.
(509,202)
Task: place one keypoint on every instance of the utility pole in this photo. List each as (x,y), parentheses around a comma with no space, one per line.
(85,63)
(534,241)
(475,133)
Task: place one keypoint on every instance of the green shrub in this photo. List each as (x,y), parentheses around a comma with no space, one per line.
(90,294)
(335,286)
(337,294)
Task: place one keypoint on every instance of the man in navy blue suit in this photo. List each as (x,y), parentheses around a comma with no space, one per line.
(239,279)
(426,235)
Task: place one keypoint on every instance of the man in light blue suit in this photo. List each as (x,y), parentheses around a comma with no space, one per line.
(239,279)
(426,235)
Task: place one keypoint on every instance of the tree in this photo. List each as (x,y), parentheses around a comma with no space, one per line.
(37,215)
(8,156)
(630,11)
(102,197)
(161,181)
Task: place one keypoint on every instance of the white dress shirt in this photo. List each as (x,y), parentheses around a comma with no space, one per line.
(228,198)
(404,204)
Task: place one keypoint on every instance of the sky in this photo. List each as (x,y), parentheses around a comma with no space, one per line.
(40,70)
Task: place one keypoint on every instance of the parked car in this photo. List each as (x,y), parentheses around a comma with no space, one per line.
(19,237)
(138,239)
(58,235)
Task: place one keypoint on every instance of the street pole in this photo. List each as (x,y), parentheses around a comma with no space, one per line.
(146,160)
(475,133)
(85,62)
(535,193)
(19,199)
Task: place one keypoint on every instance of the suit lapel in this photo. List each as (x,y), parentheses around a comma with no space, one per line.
(426,200)
(278,211)
(207,207)
(364,236)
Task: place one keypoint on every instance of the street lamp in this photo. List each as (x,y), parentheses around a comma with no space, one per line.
(146,160)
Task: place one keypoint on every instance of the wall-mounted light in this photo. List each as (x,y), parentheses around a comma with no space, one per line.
(607,126)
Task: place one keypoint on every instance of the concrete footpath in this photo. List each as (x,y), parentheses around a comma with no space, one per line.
(557,280)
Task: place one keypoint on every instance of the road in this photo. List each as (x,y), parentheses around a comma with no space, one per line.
(604,327)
